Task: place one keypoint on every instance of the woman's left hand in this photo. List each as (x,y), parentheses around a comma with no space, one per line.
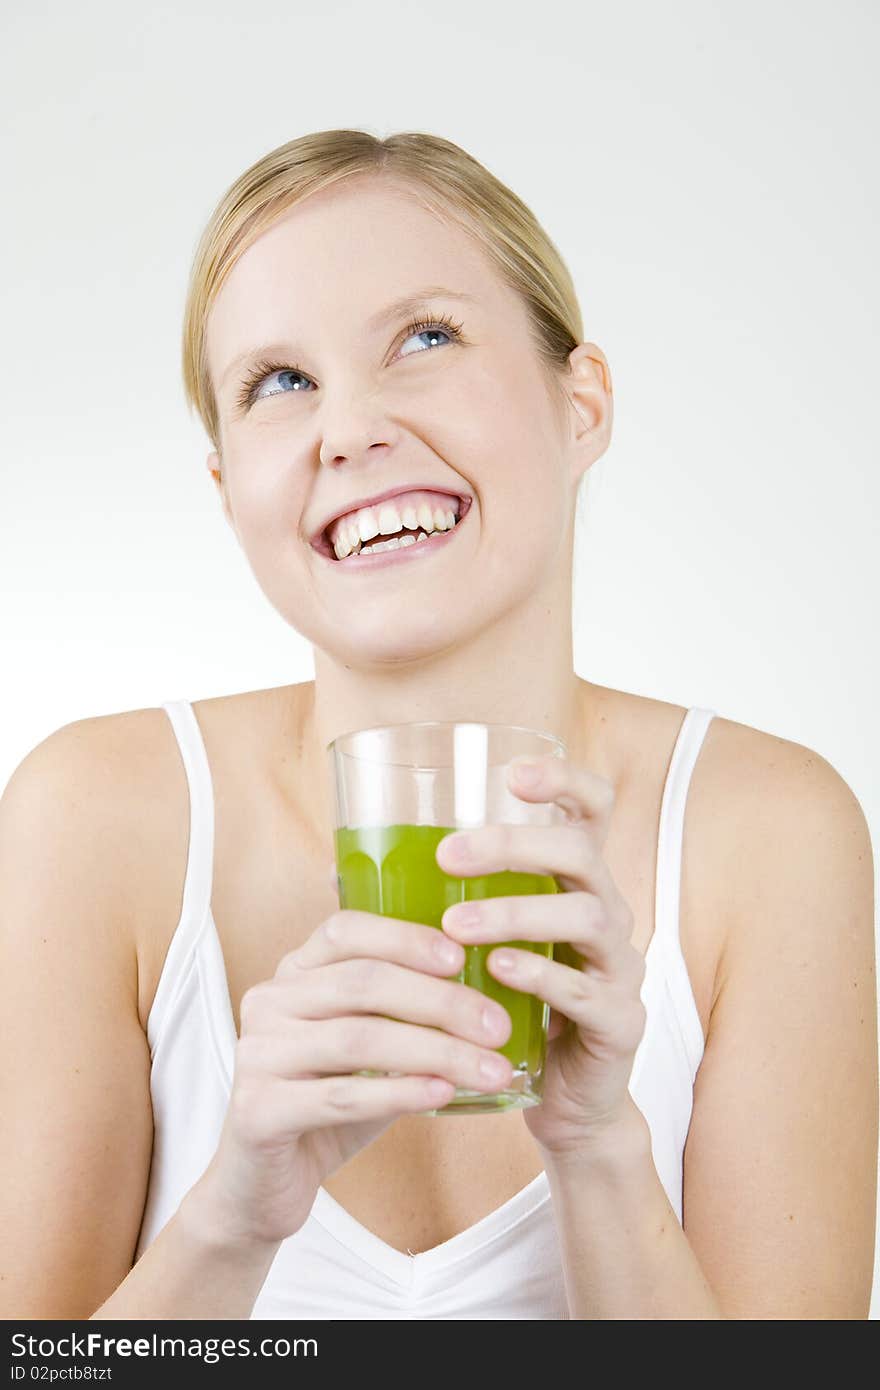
(593,982)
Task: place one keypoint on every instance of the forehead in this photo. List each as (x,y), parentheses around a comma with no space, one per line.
(332,261)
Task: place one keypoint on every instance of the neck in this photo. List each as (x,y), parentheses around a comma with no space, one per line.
(518,672)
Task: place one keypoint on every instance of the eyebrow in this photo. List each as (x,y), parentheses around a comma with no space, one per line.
(408,304)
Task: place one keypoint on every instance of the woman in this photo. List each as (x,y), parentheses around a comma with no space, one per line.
(185,1003)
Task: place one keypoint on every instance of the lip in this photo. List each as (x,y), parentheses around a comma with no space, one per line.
(403,554)
(320,544)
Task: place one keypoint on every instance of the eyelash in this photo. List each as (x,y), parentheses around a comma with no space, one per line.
(264,369)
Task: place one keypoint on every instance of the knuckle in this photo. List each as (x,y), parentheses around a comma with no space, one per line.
(641,965)
(247,1110)
(333,927)
(340,1095)
(251,1007)
(590,911)
(591,856)
(242,1102)
(289,965)
(640,1019)
(352,1039)
(361,977)
(582,987)
(633,1022)
(248,1050)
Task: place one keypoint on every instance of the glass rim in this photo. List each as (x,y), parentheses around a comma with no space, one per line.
(443,723)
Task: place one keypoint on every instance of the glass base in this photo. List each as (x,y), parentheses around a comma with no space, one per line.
(478,1103)
(524,1090)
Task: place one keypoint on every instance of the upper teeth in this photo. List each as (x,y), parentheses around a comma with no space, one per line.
(350,531)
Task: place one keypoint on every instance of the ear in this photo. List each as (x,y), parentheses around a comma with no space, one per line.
(213,464)
(588,388)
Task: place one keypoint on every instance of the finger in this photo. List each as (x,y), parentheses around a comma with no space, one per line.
(357,1043)
(290,1107)
(593,1005)
(581,794)
(376,987)
(566,853)
(577,919)
(348,933)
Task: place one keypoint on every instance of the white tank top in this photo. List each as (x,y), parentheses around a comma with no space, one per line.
(508,1265)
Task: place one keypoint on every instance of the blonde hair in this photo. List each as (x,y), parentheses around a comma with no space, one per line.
(445,179)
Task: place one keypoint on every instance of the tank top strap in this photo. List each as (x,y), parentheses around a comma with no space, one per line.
(196,903)
(668,881)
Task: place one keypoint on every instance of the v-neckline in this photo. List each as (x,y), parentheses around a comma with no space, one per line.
(353,1234)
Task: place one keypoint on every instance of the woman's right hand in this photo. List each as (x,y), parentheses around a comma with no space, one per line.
(298,1111)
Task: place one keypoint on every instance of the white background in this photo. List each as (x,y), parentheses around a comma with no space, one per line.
(709,174)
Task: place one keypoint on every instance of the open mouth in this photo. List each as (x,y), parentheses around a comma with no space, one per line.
(403,545)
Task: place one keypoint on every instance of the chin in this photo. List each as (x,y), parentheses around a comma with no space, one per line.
(383,654)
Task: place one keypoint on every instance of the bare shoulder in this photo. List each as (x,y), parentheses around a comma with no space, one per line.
(107,797)
(758,773)
(765,763)
(113,769)
(766,795)
(103,773)
(124,772)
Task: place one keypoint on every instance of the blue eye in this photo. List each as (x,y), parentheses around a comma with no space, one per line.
(261,373)
(250,390)
(432,326)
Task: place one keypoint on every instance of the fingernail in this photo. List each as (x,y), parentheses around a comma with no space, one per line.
(459,846)
(504,960)
(527,774)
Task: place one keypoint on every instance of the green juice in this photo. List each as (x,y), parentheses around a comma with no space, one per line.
(391,870)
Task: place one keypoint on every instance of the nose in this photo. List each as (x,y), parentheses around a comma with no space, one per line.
(349,451)
(354,432)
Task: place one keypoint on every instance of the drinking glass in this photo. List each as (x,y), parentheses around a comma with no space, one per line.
(398,790)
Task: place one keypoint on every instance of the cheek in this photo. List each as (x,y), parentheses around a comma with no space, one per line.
(497,428)
(268,493)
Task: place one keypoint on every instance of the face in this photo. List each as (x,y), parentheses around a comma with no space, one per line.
(357,402)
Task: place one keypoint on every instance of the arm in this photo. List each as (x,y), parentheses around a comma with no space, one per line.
(191,1271)
(75,1063)
(623,1252)
(781,1159)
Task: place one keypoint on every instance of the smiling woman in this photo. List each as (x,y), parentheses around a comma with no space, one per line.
(385,349)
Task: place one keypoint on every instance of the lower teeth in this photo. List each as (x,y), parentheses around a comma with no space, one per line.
(396,543)
(392,545)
